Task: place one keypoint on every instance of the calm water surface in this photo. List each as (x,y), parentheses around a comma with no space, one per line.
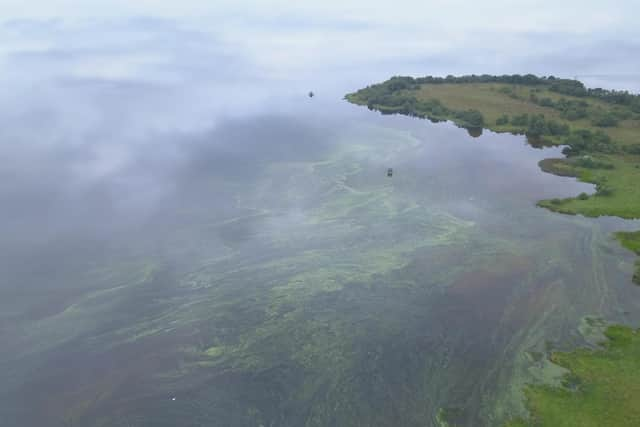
(264,271)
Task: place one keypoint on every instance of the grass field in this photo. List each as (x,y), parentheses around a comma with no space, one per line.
(483,97)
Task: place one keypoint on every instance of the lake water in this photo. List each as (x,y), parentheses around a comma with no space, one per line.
(282,279)
(208,246)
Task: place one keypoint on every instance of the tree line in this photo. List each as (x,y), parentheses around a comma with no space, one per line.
(555,84)
(578,141)
(577,88)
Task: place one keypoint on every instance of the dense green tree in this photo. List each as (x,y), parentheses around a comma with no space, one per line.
(569,87)
(605,120)
(502,120)
(520,120)
(546,102)
(585,141)
(574,114)
(556,128)
(537,126)
(471,118)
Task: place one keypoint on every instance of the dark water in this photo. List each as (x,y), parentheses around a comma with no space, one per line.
(266,272)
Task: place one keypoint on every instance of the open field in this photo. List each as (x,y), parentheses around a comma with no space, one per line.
(493,101)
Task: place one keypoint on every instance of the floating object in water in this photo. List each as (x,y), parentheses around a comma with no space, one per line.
(311,95)
(390,172)
(173,399)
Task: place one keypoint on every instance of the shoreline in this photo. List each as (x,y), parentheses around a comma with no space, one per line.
(600,149)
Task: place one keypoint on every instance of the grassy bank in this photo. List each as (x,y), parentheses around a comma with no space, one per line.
(631,241)
(615,177)
(599,389)
(600,130)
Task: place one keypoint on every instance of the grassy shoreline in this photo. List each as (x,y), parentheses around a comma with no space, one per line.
(600,388)
(600,130)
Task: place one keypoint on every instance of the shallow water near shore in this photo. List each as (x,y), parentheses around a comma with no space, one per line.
(282,279)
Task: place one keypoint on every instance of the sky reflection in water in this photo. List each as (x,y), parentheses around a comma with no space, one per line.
(179,218)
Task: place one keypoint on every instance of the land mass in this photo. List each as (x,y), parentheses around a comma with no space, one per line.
(600,132)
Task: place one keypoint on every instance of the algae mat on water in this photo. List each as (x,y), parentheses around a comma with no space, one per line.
(326,293)
(316,318)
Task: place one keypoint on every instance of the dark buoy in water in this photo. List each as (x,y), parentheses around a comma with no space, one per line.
(390,172)
(311,94)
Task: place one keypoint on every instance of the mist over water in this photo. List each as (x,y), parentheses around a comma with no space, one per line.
(180,219)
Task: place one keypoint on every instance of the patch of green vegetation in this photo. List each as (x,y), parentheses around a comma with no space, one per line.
(517,423)
(631,241)
(600,388)
(447,417)
(593,329)
(615,177)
